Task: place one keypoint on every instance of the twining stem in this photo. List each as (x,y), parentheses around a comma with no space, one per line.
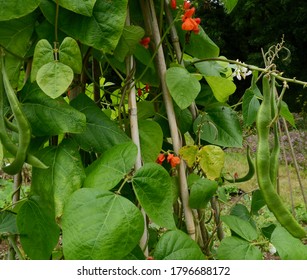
(130,66)
(153,28)
(252,67)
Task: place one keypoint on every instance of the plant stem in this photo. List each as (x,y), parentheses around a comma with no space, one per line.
(130,66)
(152,25)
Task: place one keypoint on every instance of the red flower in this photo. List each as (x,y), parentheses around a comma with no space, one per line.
(140,92)
(188,13)
(147,88)
(190,24)
(173,160)
(173,4)
(186,5)
(160,158)
(145,42)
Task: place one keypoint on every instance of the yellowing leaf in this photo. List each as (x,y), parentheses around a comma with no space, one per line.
(188,154)
(211,160)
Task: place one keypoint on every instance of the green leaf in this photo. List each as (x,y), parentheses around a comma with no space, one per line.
(285,113)
(241,211)
(250,105)
(101,133)
(43,54)
(70,54)
(99,225)
(201,192)
(102,30)
(151,139)
(49,116)
(221,87)
(128,41)
(211,160)
(38,230)
(177,245)
(183,86)
(234,248)
(220,126)
(184,119)
(15,34)
(64,175)
(241,227)
(16,8)
(54,78)
(288,247)
(229,5)
(111,167)
(257,202)
(83,7)
(214,68)
(199,45)
(8,223)
(153,188)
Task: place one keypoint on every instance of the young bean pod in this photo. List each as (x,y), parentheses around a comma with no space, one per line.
(23,125)
(272,199)
(251,170)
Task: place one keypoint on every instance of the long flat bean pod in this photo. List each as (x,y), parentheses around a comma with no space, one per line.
(272,199)
(24,136)
(6,141)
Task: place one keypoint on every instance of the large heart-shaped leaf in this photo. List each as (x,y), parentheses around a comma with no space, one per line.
(220,126)
(112,166)
(8,223)
(54,78)
(70,54)
(151,139)
(153,188)
(128,41)
(183,86)
(201,191)
(288,247)
(211,160)
(221,87)
(49,116)
(16,8)
(43,54)
(199,45)
(241,227)
(101,30)
(234,248)
(101,133)
(38,230)
(64,175)
(99,225)
(83,7)
(15,34)
(176,245)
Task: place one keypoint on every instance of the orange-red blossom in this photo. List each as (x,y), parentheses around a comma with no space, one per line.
(189,23)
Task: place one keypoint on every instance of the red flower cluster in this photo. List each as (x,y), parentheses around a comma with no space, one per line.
(190,23)
(142,90)
(173,160)
(145,42)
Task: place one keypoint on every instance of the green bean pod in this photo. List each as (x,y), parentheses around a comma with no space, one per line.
(274,158)
(24,136)
(249,174)
(272,199)
(6,141)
